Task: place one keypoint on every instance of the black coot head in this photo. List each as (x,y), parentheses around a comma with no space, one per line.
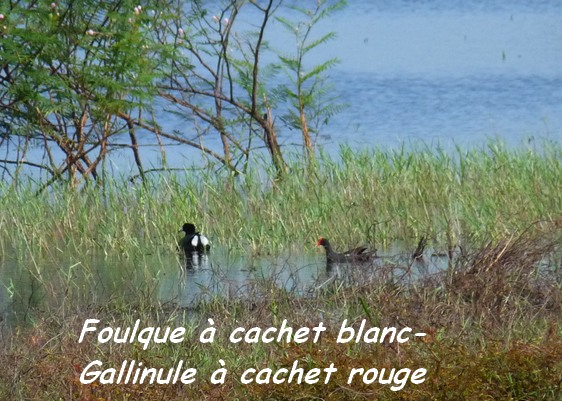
(188,228)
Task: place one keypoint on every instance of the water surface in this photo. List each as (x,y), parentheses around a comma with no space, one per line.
(30,289)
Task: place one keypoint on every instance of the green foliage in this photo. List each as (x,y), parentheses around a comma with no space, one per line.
(67,53)
(76,75)
(309,93)
(71,69)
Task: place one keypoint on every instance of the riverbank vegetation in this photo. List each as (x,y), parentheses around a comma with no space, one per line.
(492,322)
(370,196)
(492,316)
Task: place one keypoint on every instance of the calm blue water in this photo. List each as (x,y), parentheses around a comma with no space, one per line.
(448,72)
(438,72)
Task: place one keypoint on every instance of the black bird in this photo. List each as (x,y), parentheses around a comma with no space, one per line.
(357,255)
(193,240)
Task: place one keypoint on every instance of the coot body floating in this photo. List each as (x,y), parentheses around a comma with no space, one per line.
(193,241)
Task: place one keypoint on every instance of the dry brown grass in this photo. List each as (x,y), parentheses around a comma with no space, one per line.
(493,324)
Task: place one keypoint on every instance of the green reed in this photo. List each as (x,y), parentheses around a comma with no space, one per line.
(370,196)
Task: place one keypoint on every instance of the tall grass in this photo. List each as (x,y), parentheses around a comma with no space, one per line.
(493,319)
(374,196)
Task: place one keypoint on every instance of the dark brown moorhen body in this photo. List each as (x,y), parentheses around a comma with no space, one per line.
(357,255)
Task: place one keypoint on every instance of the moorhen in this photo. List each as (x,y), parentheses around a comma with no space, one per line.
(357,255)
(418,253)
(193,240)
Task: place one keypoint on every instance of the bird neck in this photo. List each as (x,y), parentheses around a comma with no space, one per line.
(328,247)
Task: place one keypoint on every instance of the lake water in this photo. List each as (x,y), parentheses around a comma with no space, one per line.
(31,287)
(437,72)
(449,72)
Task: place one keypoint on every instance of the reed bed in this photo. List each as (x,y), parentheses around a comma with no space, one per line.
(371,196)
(493,317)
